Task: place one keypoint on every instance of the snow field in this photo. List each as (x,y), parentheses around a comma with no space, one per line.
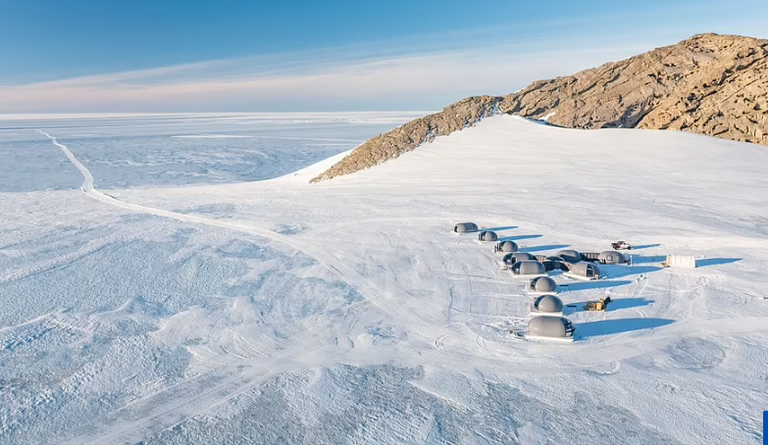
(348,312)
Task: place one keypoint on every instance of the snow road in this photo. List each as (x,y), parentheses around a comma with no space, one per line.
(190,403)
(345,273)
(87,177)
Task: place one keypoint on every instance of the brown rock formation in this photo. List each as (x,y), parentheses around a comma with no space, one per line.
(709,84)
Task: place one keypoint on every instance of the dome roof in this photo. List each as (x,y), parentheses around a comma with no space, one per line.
(507,246)
(570,255)
(515,257)
(465,227)
(611,257)
(487,235)
(543,284)
(548,303)
(546,326)
(528,267)
(589,270)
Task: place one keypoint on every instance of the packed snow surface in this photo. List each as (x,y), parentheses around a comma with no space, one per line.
(275,311)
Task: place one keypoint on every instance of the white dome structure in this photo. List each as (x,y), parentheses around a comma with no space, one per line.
(543,285)
(551,328)
(570,255)
(612,257)
(512,258)
(528,267)
(506,247)
(548,304)
(465,227)
(584,271)
(554,259)
(487,235)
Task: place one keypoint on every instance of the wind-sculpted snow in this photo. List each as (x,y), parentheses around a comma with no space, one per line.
(348,312)
(394,405)
(105,337)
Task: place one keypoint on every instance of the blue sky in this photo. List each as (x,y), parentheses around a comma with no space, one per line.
(226,55)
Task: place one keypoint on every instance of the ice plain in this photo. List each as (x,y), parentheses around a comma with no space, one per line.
(204,292)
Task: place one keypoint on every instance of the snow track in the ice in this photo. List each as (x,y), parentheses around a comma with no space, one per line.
(87,185)
(374,295)
(188,403)
(425,300)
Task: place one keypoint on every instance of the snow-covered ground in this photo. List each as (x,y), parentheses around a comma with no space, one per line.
(348,312)
(171,150)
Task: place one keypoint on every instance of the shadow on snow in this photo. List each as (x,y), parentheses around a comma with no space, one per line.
(637,259)
(498,229)
(619,303)
(597,284)
(547,247)
(615,271)
(645,246)
(715,261)
(608,327)
(519,237)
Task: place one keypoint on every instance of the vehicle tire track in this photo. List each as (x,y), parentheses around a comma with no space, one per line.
(29,270)
(156,416)
(346,274)
(87,176)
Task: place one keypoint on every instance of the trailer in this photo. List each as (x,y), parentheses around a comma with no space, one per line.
(680,261)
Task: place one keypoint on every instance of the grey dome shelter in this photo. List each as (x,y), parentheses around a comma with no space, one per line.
(590,256)
(543,284)
(548,304)
(554,259)
(612,257)
(528,267)
(554,265)
(570,255)
(465,227)
(512,258)
(551,327)
(487,235)
(506,247)
(589,271)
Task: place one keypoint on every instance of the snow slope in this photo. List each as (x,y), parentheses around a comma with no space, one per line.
(348,312)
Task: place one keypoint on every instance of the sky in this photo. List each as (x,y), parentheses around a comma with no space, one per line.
(226,55)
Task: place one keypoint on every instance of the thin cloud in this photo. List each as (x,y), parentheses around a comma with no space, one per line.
(294,82)
(417,73)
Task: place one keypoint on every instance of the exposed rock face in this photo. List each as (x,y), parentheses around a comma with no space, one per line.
(405,138)
(709,84)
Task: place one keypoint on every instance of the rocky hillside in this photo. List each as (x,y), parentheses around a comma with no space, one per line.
(709,84)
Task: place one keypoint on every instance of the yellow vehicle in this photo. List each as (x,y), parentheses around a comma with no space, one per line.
(599,305)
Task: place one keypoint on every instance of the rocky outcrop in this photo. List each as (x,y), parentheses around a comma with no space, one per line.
(709,84)
(407,137)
